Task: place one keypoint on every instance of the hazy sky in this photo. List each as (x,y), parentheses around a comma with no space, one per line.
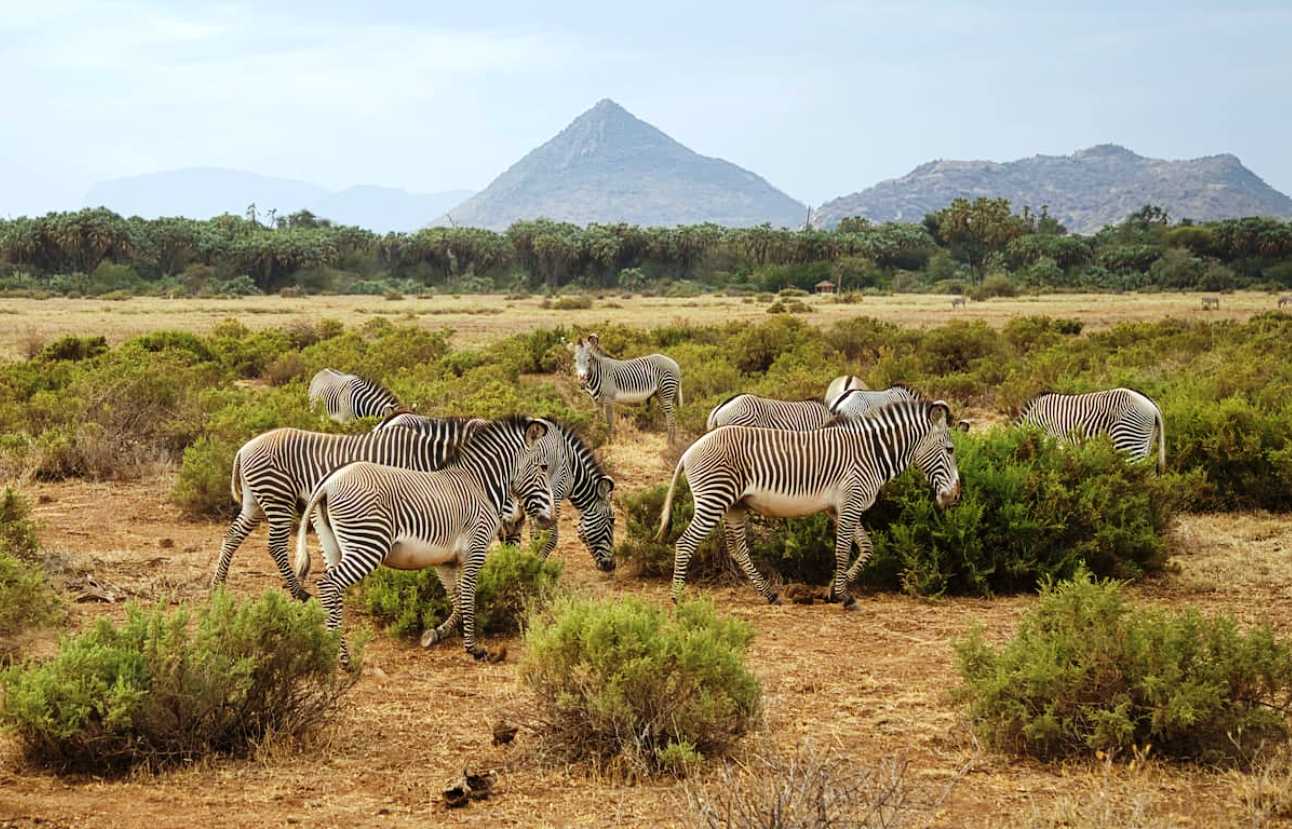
(822,99)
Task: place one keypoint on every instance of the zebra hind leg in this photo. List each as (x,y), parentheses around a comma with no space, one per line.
(670,419)
(448,574)
(738,545)
(707,515)
(847,529)
(248,519)
(332,587)
(864,549)
(280,533)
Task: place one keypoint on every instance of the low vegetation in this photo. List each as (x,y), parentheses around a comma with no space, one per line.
(631,686)
(1090,672)
(26,597)
(170,686)
(514,582)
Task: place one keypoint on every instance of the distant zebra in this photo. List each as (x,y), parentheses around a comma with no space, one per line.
(767,413)
(860,402)
(1286,299)
(609,381)
(348,396)
(1129,417)
(785,474)
(275,472)
(577,476)
(839,385)
(1211,303)
(367,515)
(957,301)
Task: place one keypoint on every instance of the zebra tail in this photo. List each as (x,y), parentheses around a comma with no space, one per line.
(302,536)
(666,514)
(235,479)
(1161,439)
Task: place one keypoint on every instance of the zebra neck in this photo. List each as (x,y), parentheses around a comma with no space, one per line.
(892,446)
(583,477)
(491,467)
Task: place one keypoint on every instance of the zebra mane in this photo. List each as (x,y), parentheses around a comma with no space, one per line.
(922,405)
(578,446)
(919,395)
(394,413)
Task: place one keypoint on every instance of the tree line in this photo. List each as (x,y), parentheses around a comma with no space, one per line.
(980,243)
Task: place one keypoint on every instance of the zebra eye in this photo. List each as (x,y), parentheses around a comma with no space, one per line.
(542,467)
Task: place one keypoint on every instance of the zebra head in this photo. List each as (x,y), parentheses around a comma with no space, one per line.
(587,367)
(935,455)
(532,483)
(597,525)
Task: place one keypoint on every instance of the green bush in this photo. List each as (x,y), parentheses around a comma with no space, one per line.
(74,348)
(630,685)
(202,486)
(26,599)
(995,285)
(513,583)
(1088,672)
(1245,453)
(17,532)
(166,687)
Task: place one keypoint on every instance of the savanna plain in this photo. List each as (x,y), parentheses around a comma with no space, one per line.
(870,686)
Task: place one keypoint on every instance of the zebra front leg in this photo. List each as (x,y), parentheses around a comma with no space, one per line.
(738,546)
(847,527)
(864,549)
(448,574)
(609,410)
(707,516)
(280,532)
(549,536)
(467,596)
(670,419)
(241,527)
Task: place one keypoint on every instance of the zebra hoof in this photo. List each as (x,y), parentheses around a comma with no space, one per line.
(775,598)
(478,653)
(429,637)
(302,596)
(849,602)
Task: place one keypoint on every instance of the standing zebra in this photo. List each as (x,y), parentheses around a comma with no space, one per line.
(1211,303)
(366,515)
(348,396)
(766,413)
(609,381)
(860,402)
(957,301)
(1286,299)
(1129,417)
(839,385)
(576,476)
(274,473)
(787,474)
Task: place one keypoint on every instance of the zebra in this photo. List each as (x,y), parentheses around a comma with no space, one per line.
(958,301)
(275,472)
(839,385)
(1211,303)
(786,474)
(1128,416)
(367,514)
(768,413)
(1286,299)
(348,396)
(860,402)
(577,477)
(609,381)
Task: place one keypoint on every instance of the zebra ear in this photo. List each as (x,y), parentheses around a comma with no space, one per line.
(963,425)
(605,486)
(594,340)
(940,413)
(534,432)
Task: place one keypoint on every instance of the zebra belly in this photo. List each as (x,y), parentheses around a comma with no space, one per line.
(623,396)
(408,553)
(776,504)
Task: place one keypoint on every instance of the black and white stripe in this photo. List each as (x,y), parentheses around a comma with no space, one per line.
(609,381)
(274,474)
(1129,417)
(767,413)
(348,396)
(784,474)
(839,385)
(367,515)
(1286,299)
(861,402)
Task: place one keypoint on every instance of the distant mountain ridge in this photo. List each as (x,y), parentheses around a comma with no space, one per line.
(1091,188)
(609,166)
(203,192)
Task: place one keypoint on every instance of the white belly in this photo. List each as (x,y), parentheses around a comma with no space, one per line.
(416,554)
(780,505)
(622,396)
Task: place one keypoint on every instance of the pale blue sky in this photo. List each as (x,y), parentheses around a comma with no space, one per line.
(822,99)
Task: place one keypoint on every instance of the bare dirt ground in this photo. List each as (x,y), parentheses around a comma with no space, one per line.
(478,319)
(866,685)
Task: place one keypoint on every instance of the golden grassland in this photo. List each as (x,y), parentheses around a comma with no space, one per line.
(481,318)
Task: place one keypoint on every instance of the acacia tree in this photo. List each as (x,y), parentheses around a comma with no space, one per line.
(974,230)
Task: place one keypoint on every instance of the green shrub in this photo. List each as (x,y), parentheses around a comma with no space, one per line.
(574,302)
(17,532)
(202,486)
(513,582)
(1245,452)
(628,684)
(995,285)
(74,348)
(166,687)
(1089,672)
(26,599)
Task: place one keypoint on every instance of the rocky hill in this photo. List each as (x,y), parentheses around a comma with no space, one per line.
(1086,190)
(609,166)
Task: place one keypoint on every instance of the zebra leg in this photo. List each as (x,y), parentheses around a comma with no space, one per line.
(248,519)
(707,515)
(864,549)
(332,589)
(549,542)
(467,597)
(846,530)
(448,574)
(670,418)
(280,534)
(609,410)
(737,544)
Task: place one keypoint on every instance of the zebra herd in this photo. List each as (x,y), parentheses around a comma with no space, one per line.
(419,492)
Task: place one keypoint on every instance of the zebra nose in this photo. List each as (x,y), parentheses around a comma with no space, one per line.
(607,565)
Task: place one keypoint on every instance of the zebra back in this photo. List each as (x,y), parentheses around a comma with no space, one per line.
(768,413)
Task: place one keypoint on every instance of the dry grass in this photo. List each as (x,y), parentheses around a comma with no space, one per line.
(479,319)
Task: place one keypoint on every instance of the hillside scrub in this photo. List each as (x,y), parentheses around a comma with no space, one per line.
(632,686)
(165,687)
(1089,672)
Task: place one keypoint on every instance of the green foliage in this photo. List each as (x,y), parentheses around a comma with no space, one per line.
(995,285)
(74,348)
(166,687)
(578,302)
(26,599)
(513,583)
(17,532)
(202,486)
(1244,451)
(1088,672)
(628,684)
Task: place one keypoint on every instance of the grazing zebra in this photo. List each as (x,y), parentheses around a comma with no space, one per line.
(367,515)
(348,396)
(577,476)
(274,473)
(1129,417)
(609,381)
(1286,299)
(1211,303)
(839,385)
(787,474)
(767,413)
(860,402)
(957,301)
